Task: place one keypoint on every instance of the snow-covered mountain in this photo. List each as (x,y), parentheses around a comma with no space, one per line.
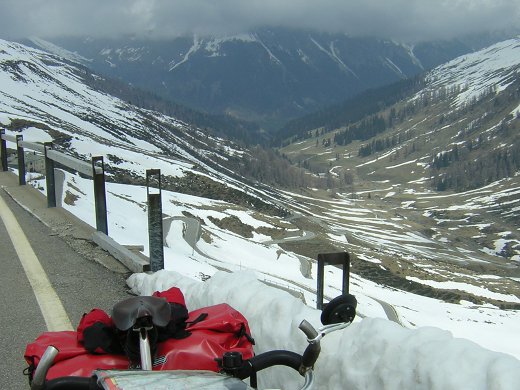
(474,75)
(266,75)
(45,98)
(46,92)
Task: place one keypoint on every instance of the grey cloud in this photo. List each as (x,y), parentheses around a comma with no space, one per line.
(408,20)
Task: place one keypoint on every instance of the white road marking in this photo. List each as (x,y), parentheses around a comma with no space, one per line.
(50,304)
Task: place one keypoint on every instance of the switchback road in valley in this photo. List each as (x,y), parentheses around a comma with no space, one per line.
(192,234)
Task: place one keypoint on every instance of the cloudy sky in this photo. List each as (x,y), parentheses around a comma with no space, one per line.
(408,20)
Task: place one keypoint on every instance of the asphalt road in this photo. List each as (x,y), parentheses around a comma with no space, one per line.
(81,283)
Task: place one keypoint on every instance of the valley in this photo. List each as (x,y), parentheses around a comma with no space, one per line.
(297,70)
(467,233)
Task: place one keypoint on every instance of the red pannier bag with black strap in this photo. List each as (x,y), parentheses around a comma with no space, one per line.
(176,328)
(214,330)
(209,333)
(97,333)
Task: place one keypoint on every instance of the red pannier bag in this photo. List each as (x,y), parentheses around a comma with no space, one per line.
(223,329)
(214,330)
(73,359)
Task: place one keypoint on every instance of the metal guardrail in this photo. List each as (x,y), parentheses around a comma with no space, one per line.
(96,171)
(3,150)
(8,137)
(131,260)
(33,146)
(155,223)
(68,161)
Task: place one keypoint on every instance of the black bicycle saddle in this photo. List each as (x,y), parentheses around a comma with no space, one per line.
(127,312)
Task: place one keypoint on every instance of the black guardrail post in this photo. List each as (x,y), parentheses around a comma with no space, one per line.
(49,177)
(100,200)
(21,159)
(3,150)
(340,258)
(155,225)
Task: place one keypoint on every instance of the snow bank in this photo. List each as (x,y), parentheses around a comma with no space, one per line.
(370,354)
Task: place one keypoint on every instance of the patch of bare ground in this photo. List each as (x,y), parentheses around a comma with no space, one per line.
(309,248)
(70,198)
(274,233)
(233,224)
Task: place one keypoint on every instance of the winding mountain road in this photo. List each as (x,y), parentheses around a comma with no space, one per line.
(192,233)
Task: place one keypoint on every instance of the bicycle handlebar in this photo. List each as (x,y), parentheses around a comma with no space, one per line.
(308,329)
(248,368)
(312,352)
(62,383)
(301,363)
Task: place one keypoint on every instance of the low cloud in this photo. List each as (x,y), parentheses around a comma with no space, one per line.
(405,20)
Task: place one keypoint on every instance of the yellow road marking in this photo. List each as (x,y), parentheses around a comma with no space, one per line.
(50,304)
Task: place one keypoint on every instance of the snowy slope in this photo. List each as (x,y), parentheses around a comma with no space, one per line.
(53,94)
(49,47)
(476,73)
(471,106)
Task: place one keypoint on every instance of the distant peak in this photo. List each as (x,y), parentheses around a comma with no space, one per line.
(57,50)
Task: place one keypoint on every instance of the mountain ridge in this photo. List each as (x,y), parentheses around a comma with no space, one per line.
(265,76)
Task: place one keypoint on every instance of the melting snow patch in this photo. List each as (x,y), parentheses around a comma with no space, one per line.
(338,238)
(419,181)
(479,291)
(400,165)
(368,258)
(500,245)
(408,204)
